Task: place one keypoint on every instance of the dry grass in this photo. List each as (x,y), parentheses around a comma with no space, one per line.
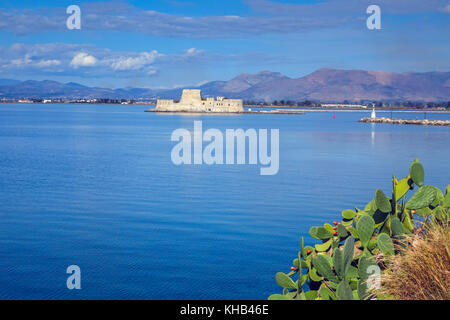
(422,271)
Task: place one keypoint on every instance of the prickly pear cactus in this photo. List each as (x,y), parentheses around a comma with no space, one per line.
(365,228)
(338,268)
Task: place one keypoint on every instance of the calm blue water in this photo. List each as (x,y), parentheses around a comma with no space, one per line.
(94,186)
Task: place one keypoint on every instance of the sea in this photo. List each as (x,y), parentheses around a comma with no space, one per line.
(94,186)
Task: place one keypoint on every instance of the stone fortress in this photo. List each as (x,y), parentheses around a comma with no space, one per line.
(192,101)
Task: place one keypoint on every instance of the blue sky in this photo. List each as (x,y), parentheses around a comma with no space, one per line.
(171,43)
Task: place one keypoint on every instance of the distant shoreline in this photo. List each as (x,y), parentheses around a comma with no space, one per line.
(292,109)
(365,110)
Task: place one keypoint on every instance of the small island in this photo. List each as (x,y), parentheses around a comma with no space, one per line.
(192,102)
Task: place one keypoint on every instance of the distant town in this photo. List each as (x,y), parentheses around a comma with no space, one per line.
(81,101)
(436,106)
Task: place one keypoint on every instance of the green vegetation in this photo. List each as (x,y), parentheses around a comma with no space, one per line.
(343,266)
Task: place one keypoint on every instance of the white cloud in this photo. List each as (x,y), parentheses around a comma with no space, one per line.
(27,61)
(267,16)
(89,61)
(21,62)
(83,59)
(446,9)
(135,63)
(192,52)
(201,83)
(48,63)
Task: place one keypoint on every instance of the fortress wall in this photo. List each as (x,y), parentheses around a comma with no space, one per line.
(162,104)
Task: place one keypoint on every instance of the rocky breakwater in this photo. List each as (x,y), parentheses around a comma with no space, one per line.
(424,122)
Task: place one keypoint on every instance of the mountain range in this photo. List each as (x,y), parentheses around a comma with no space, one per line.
(323,85)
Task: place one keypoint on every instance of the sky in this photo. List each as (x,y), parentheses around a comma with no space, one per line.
(173,43)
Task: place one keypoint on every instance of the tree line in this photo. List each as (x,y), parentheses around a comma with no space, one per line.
(369,103)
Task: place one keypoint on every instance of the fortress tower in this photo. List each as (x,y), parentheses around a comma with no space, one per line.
(191,97)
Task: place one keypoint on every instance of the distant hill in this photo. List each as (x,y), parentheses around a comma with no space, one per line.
(324,85)
(356,85)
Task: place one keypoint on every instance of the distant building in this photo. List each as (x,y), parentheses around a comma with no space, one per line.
(344,106)
(192,101)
